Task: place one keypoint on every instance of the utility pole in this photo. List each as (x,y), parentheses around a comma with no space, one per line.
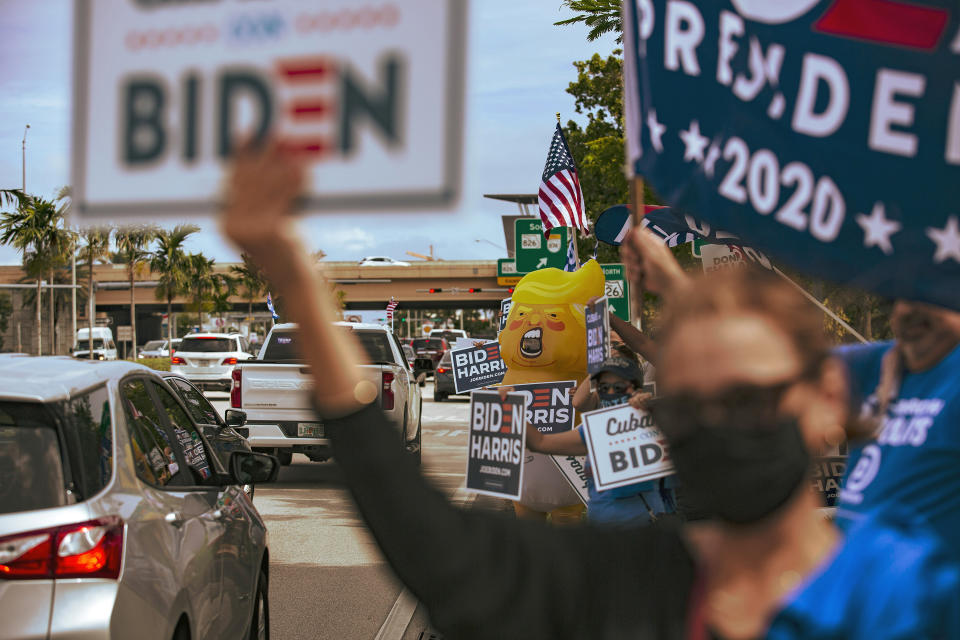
(23,160)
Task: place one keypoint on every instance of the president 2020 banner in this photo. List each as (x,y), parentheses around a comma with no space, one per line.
(826,132)
(165,91)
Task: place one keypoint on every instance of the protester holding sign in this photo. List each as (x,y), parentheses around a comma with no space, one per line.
(749,393)
(618,380)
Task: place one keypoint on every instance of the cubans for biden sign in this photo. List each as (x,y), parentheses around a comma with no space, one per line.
(624,447)
(165,91)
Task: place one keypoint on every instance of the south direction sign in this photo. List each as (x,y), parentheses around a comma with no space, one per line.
(617,290)
(164,92)
(507,274)
(535,251)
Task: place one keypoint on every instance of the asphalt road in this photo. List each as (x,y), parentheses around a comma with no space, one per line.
(327,577)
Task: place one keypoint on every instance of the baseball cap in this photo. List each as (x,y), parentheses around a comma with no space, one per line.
(621,366)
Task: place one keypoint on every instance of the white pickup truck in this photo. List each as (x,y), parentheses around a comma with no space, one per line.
(274,389)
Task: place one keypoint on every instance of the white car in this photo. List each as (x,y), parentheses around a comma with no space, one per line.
(382,261)
(157,349)
(208,359)
(103,345)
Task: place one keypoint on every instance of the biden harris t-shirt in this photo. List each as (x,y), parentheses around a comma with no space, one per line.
(912,467)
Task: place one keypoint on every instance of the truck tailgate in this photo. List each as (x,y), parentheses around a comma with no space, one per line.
(276,392)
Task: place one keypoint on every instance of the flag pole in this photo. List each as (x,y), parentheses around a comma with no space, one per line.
(636,205)
(573,230)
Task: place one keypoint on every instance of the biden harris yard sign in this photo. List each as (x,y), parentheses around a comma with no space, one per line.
(826,132)
(371,93)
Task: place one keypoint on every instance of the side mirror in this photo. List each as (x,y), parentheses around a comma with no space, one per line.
(235,417)
(423,363)
(247,467)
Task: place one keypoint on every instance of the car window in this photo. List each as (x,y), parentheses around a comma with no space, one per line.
(153,345)
(428,344)
(375,345)
(244,345)
(153,456)
(446,359)
(84,344)
(399,348)
(31,467)
(199,407)
(188,438)
(207,345)
(88,419)
(283,346)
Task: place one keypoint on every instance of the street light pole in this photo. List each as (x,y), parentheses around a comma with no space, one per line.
(23,159)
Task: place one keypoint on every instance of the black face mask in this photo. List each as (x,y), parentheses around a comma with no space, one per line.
(740,473)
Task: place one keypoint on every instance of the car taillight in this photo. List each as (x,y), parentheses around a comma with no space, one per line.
(92,549)
(441,370)
(177,360)
(236,394)
(229,361)
(387,396)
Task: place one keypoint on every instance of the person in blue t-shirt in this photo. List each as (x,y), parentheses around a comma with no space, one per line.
(617,381)
(909,461)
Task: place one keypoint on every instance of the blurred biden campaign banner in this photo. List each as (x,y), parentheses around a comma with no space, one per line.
(825,132)
(495,455)
(597,319)
(624,447)
(476,367)
(371,93)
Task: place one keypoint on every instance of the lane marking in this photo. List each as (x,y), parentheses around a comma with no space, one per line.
(399,617)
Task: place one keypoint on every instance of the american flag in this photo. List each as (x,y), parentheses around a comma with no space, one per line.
(560,197)
(390,307)
(571,257)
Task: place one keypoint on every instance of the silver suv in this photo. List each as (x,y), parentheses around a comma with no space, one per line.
(116,519)
(208,359)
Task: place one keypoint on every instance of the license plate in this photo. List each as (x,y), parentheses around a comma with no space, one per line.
(310,429)
(204,363)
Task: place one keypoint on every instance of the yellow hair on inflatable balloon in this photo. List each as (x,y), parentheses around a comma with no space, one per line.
(545,336)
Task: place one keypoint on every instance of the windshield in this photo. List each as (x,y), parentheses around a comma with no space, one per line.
(432,344)
(154,345)
(31,469)
(207,345)
(283,346)
(84,344)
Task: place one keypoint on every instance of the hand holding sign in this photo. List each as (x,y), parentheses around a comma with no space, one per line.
(624,447)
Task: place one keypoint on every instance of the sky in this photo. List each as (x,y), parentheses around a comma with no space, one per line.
(518,67)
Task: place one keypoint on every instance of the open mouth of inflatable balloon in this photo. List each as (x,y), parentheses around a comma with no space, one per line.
(531,344)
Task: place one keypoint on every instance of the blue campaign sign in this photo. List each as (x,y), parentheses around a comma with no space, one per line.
(826,132)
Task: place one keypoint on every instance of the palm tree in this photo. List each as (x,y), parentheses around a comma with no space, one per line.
(203,281)
(35,229)
(223,289)
(60,246)
(96,248)
(251,278)
(132,243)
(602,16)
(170,261)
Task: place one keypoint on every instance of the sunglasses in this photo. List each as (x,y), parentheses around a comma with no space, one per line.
(612,388)
(680,415)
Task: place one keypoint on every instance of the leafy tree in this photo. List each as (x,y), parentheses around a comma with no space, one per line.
(170,261)
(6,309)
(96,248)
(203,282)
(132,250)
(36,229)
(602,16)
(223,289)
(250,276)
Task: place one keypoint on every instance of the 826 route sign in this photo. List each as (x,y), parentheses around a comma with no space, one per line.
(617,290)
(165,91)
(533,250)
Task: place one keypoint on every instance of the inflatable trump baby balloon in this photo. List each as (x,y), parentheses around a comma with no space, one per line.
(545,340)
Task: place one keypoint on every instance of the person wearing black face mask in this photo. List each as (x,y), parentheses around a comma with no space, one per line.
(781,572)
(617,382)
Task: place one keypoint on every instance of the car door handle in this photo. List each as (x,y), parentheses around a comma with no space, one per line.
(174,518)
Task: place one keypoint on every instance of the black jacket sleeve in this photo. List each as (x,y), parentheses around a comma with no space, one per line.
(483,576)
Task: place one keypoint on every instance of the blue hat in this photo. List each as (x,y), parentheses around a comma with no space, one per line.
(623,367)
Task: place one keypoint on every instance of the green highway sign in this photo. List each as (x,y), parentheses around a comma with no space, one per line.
(507,273)
(533,251)
(617,290)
